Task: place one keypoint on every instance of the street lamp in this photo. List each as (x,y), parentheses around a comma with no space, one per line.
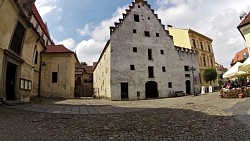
(193,69)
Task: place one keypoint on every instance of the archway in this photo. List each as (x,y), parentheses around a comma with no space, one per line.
(151,89)
(188,87)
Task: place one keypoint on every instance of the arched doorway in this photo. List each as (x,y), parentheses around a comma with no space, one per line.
(151,89)
(188,87)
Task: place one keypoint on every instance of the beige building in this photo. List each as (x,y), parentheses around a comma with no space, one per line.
(84,80)
(244,28)
(23,36)
(140,60)
(58,72)
(202,44)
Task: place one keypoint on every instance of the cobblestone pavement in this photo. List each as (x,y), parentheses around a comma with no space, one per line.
(184,118)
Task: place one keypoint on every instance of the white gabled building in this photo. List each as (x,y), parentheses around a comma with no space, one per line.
(140,60)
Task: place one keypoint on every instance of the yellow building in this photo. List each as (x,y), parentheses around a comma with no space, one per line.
(58,72)
(23,36)
(202,44)
(244,28)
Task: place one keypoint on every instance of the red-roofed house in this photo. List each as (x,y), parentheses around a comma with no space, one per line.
(244,28)
(240,56)
(58,72)
(84,80)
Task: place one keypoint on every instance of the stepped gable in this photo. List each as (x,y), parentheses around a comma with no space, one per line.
(182,49)
(124,15)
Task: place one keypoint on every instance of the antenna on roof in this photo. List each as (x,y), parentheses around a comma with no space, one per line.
(243,15)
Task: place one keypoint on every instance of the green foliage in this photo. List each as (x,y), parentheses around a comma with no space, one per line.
(210,74)
(83,63)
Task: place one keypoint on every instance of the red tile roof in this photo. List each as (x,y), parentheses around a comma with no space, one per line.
(245,21)
(88,69)
(239,56)
(40,21)
(57,49)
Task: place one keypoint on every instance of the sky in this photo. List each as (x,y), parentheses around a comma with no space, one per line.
(83,25)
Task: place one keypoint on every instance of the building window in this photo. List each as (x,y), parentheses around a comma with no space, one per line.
(170,85)
(36,57)
(212,64)
(139,6)
(186,68)
(201,46)
(136,18)
(146,33)
(54,77)
(245,55)
(157,35)
(208,46)
(162,52)
(132,67)
(194,44)
(134,31)
(148,18)
(187,75)
(151,72)
(134,49)
(17,39)
(150,57)
(204,61)
(163,69)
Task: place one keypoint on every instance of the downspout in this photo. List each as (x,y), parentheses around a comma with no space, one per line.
(39,78)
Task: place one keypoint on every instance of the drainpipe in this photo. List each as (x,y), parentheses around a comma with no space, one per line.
(39,78)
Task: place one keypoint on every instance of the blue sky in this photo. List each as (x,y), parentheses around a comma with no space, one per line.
(83,25)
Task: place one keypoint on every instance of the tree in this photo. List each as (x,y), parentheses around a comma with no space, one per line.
(210,75)
(83,63)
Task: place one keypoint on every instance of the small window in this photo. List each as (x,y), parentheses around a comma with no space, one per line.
(134,31)
(54,77)
(186,68)
(139,6)
(150,57)
(208,46)
(194,44)
(132,67)
(146,33)
(201,46)
(157,35)
(187,75)
(162,52)
(170,85)
(163,69)
(212,64)
(134,49)
(148,18)
(204,61)
(136,18)
(151,72)
(36,57)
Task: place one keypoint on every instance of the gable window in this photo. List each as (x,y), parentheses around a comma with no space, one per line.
(151,72)
(132,67)
(134,49)
(17,39)
(54,77)
(146,33)
(186,68)
(162,52)
(194,44)
(170,85)
(157,35)
(136,18)
(163,69)
(150,57)
(134,31)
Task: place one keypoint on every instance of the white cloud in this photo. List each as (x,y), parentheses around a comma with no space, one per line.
(69,43)
(46,6)
(59,28)
(84,31)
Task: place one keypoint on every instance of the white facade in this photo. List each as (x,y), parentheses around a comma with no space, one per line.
(138,42)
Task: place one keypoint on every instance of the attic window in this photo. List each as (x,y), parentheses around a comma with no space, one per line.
(136,18)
